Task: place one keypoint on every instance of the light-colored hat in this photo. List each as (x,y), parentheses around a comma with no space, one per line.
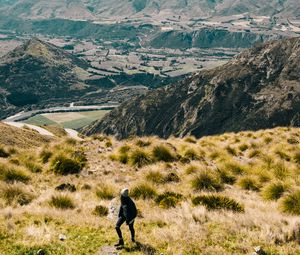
(124,192)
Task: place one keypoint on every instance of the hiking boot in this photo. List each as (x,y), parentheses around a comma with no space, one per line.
(120,243)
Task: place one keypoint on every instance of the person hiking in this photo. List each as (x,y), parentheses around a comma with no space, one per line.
(127,213)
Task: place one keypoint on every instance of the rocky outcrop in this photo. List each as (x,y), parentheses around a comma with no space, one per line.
(260,88)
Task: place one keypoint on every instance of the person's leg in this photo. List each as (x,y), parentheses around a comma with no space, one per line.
(132,231)
(120,221)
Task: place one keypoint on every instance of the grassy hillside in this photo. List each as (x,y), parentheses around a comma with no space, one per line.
(20,138)
(218,195)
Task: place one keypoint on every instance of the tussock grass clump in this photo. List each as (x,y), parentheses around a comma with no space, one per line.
(15,194)
(280,171)
(168,199)
(243,147)
(218,202)
(64,165)
(143,191)
(191,169)
(124,149)
(11,174)
(139,158)
(254,153)
(206,181)
(171,177)
(190,154)
(231,151)
(45,156)
(235,168)
(63,202)
(162,153)
(291,203)
(190,139)
(142,143)
(3,153)
(296,158)
(155,177)
(274,191)
(33,167)
(226,176)
(100,211)
(282,155)
(249,183)
(105,192)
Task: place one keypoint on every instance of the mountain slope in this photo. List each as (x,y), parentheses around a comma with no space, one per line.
(258,89)
(36,72)
(90,9)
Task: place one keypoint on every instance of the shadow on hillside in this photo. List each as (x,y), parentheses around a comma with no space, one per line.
(144,248)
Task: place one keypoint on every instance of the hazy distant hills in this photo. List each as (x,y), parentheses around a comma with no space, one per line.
(260,88)
(37,72)
(91,9)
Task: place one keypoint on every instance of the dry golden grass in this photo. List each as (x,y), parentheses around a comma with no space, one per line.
(168,221)
(20,138)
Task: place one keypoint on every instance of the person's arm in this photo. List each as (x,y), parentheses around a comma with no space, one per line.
(125,212)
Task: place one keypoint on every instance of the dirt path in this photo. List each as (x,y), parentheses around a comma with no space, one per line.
(40,130)
(108,250)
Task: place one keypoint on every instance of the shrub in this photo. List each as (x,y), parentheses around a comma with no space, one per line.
(80,157)
(10,174)
(62,202)
(15,194)
(168,199)
(105,192)
(206,181)
(45,155)
(64,165)
(248,183)
(154,176)
(291,203)
(143,191)
(139,158)
(162,153)
(142,143)
(218,202)
(3,153)
(101,211)
(274,191)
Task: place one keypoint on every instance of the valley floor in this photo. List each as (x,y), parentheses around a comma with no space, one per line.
(217,195)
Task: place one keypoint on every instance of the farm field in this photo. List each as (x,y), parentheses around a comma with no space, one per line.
(73,120)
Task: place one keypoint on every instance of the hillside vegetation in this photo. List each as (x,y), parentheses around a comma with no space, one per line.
(217,195)
(258,89)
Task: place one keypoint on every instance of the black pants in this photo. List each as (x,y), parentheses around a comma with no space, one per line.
(120,222)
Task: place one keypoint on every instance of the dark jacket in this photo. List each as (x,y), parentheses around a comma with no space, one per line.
(127,209)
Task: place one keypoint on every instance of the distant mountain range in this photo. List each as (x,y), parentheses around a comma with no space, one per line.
(38,72)
(260,88)
(91,9)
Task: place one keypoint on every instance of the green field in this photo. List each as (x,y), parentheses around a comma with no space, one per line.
(74,120)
